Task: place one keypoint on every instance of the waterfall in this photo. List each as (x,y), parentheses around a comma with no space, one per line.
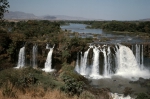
(142,65)
(48,62)
(127,60)
(47,46)
(83,62)
(105,62)
(120,96)
(138,54)
(117,53)
(34,56)
(77,68)
(118,61)
(21,58)
(109,61)
(128,66)
(95,67)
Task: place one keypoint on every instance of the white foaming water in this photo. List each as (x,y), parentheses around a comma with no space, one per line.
(95,68)
(120,96)
(34,56)
(138,54)
(109,61)
(117,60)
(84,63)
(21,58)
(48,62)
(124,60)
(105,62)
(47,46)
(142,65)
(128,66)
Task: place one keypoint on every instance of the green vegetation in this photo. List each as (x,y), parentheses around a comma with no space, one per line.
(127,26)
(142,96)
(14,35)
(4,5)
(14,81)
(73,83)
(32,28)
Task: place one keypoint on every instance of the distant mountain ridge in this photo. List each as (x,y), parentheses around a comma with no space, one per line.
(30,16)
(19,15)
(23,15)
(147,19)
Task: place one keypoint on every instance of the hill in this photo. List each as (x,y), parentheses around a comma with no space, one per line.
(23,15)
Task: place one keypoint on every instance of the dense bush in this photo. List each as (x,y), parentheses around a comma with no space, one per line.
(28,78)
(130,26)
(142,96)
(72,86)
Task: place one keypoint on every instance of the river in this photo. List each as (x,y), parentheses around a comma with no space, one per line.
(117,84)
(101,35)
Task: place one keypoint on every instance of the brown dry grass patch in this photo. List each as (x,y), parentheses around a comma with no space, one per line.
(39,94)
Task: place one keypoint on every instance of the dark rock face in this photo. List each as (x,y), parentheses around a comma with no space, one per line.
(147,50)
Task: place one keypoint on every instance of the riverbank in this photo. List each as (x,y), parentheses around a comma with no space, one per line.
(137,34)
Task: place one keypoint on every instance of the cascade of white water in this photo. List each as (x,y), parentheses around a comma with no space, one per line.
(127,59)
(34,56)
(21,58)
(127,63)
(117,53)
(105,62)
(142,59)
(81,61)
(138,54)
(120,96)
(48,62)
(109,61)
(47,46)
(95,67)
(77,68)
(84,63)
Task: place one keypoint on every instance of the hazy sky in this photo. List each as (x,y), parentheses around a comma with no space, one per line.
(97,9)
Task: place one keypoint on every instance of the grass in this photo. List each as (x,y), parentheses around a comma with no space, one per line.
(29,83)
(40,94)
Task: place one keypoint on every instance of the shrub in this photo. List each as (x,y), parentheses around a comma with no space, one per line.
(69,71)
(72,86)
(142,96)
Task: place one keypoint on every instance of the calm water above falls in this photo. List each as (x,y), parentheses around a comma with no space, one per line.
(81,28)
(114,38)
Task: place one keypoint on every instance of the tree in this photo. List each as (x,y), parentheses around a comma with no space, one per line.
(4,4)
